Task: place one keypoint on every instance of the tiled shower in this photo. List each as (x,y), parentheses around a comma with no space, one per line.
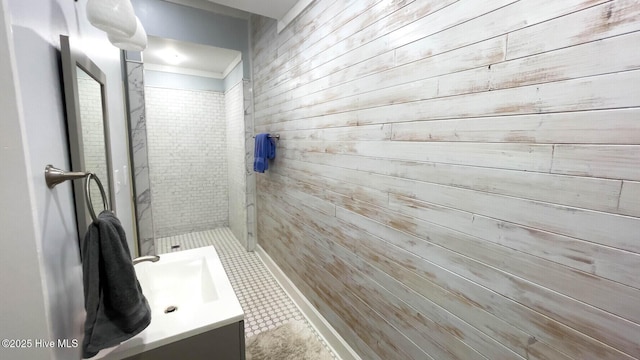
(190,158)
(186,133)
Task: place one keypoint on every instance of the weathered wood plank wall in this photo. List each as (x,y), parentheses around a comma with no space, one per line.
(458,179)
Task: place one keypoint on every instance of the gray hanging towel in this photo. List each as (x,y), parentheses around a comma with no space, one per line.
(116,308)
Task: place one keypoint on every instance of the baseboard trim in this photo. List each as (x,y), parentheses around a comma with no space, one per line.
(320,324)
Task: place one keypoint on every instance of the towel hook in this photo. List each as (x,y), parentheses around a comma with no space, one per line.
(276,136)
(54,176)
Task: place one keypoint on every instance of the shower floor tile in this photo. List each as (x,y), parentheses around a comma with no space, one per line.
(265,304)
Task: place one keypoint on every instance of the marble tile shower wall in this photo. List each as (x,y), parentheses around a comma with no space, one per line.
(234,106)
(187,160)
(140,160)
(249,144)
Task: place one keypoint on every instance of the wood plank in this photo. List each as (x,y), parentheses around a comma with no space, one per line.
(583,224)
(590,93)
(326,85)
(543,329)
(581,286)
(359,133)
(270,240)
(618,126)
(598,22)
(630,198)
(457,327)
(417,326)
(594,58)
(584,318)
(263,32)
(323,121)
(352,18)
(400,347)
(578,61)
(308,22)
(605,161)
(302,179)
(588,193)
(334,233)
(434,21)
(361,193)
(344,41)
(498,155)
(578,285)
(315,200)
(598,260)
(501,21)
(388,305)
(311,25)
(372,74)
(337,322)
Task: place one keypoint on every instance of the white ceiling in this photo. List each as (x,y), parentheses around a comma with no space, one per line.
(192,59)
(210,61)
(214,8)
(275,9)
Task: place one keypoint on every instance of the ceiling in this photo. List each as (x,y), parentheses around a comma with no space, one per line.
(209,61)
(213,7)
(188,58)
(275,9)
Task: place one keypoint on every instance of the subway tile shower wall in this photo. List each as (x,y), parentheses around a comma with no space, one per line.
(187,160)
(95,159)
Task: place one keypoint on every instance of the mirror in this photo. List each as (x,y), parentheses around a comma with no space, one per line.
(88,128)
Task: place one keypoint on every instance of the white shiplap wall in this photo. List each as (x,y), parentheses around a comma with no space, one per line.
(458,179)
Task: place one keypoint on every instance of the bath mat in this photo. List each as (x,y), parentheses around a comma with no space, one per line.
(291,341)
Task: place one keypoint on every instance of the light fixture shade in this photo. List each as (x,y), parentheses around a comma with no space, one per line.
(137,42)
(113,16)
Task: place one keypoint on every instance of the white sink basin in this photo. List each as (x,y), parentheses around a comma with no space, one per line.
(180,283)
(196,285)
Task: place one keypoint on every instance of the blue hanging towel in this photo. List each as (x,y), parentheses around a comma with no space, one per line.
(265,149)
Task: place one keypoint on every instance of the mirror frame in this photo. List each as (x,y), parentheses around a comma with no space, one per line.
(73,57)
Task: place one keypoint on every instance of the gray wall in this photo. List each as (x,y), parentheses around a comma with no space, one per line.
(182,81)
(235,76)
(43,258)
(173,21)
(21,278)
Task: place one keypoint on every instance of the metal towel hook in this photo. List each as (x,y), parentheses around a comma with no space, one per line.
(54,176)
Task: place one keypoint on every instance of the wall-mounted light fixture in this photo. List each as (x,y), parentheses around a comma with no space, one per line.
(137,42)
(119,21)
